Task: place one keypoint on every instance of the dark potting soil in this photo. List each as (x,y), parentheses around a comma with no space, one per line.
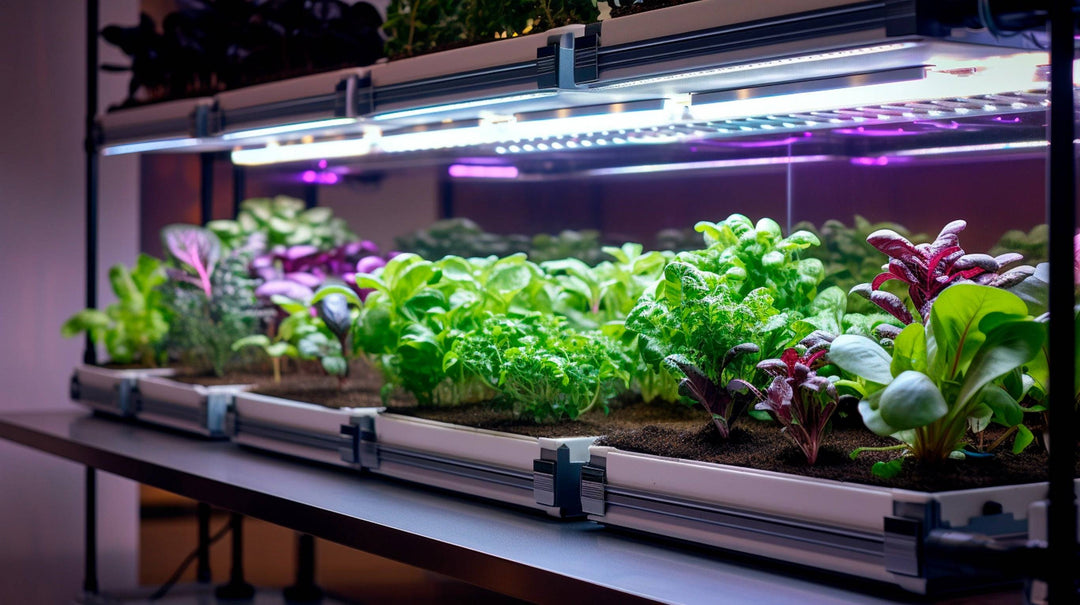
(762,446)
(361,389)
(678,431)
(627,416)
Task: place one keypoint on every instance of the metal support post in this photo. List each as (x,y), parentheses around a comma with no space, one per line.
(90,581)
(237,588)
(1061,216)
(206,187)
(239,188)
(304,590)
(202,571)
(90,149)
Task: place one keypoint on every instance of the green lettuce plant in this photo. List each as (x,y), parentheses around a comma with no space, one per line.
(1034,245)
(701,316)
(759,256)
(285,222)
(941,376)
(134,327)
(543,369)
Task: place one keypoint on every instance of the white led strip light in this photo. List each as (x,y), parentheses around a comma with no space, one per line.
(997,76)
(993,76)
(144,146)
(287,128)
(837,54)
(423,111)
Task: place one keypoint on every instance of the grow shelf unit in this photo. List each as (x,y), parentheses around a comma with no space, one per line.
(568,103)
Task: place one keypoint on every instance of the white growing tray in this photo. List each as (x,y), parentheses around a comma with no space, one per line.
(189,407)
(538,473)
(294,428)
(861,530)
(108,390)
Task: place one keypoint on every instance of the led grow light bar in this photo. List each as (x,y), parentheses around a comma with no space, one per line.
(287,128)
(436,109)
(998,75)
(961,91)
(486,133)
(706,165)
(773,63)
(144,146)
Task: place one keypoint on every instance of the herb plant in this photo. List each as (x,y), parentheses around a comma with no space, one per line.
(285,222)
(702,316)
(210,298)
(1034,244)
(799,399)
(543,369)
(134,327)
(275,350)
(724,402)
(927,269)
(941,375)
(758,256)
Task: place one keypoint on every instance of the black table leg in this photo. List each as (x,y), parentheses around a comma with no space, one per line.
(237,588)
(304,590)
(90,582)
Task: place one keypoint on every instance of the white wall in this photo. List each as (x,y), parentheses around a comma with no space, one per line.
(41,283)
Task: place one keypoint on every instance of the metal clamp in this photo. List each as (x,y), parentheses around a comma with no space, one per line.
(557,480)
(586,55)
(593,481)
(355,97)
(362,448)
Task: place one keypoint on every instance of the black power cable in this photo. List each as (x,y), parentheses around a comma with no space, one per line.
(167,586)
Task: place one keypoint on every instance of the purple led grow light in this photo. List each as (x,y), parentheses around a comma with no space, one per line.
(470,171)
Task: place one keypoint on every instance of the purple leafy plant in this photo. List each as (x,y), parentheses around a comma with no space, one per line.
(798,398)
(297,271)
(928,269)
(724,403)
(196,249)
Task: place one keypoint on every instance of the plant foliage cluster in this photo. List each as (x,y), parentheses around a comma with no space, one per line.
(740,326)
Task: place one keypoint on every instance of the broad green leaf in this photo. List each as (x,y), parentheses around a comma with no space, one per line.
(254,340)
(87,320)
(370,282)
(131,299)
(869,409)
(282,349)
(911,400)
(953,334)
(1024,437)
(1006,347)
(287,304)
(455,268)
(979,418)
(414,277)
(862,357)
(909,350)
(319,214)
(335,365)
(1006,410)
(345,291)
(506,279)
(887,470)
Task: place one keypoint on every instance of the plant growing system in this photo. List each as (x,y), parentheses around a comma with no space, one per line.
(745,320)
